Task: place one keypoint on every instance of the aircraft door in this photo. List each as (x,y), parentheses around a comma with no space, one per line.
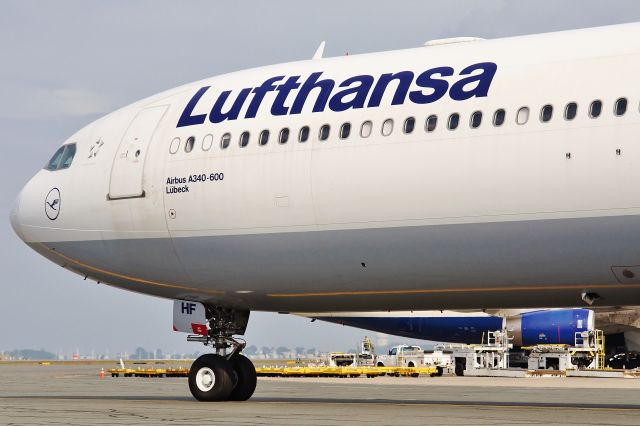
(127,172)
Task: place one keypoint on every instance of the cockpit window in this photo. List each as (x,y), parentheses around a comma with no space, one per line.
(67,158)
(62,158)
(55,160)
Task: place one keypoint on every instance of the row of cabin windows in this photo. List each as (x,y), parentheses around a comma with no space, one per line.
(546,114)
(499,118)
(303,135)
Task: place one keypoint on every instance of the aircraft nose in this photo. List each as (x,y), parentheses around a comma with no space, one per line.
(15,217)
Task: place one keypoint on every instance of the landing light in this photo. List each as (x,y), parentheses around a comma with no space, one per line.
(589,298)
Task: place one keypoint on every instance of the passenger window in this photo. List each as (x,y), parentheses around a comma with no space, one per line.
(454,120)
(207,142)
(476,119)
(595,109)
(431,123)
(499,117)
(345,130)
(323,135)
(409,125)
(175,145)
(621,107)
(546,113)
(263,139)
(523,116)
(387,127)
(225,140)
(244,139)
(188,146)
(366,128)
(67,157)
(303,136)
(571,111)
(284,135)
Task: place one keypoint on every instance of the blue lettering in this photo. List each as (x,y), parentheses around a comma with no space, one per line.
(482,80)
(405,78)
(283,90)
(325,86)
(432,85)
(217,116)
(438,87)
(186,119)
(188,308)
(258,95)
(358,94)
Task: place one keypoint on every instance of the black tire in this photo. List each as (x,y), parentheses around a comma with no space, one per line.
(245,377)
(440,371)
(210,366)
(460,365)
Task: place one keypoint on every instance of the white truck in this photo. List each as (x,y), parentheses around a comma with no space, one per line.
(439,358)
(402,356)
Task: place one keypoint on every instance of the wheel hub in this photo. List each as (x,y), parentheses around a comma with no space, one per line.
(205,379)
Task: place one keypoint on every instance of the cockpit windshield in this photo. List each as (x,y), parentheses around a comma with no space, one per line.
(62,158)
(68,155)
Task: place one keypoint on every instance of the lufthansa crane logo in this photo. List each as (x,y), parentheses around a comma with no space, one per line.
(52,204)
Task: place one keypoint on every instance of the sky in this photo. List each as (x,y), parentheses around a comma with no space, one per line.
(66,63)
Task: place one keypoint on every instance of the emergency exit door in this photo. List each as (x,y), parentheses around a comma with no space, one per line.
(127,172)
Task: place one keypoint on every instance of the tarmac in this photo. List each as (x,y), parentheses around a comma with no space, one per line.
(32,394)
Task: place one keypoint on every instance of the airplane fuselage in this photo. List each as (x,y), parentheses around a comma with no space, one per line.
(532,210)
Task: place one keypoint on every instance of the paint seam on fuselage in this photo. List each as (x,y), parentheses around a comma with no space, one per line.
(128,277)
(453,290)
(350,293)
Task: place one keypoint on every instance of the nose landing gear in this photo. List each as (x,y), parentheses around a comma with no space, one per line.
(222,376)
(210,378)
(246,378)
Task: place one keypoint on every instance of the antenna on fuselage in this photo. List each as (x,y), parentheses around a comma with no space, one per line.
(319,51)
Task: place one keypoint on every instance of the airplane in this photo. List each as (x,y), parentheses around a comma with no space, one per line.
(527,327)
(462,174)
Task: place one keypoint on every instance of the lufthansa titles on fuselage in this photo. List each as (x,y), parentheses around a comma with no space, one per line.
(360,91)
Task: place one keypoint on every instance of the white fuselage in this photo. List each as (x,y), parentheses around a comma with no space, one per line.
(511,216)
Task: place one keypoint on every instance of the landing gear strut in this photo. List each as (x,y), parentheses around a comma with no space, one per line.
(226,375)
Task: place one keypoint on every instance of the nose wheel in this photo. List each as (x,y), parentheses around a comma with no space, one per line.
(210,378)
(223,376)
(215,378)
(246,378)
